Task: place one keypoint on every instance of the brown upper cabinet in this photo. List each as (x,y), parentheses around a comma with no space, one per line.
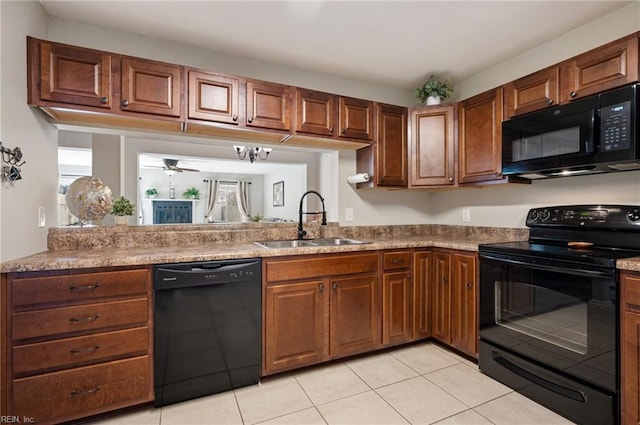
(151,87)
(480,138)
(71,75)
(214,97)
(318,112)
(433,144)
(268,105)
(612,65)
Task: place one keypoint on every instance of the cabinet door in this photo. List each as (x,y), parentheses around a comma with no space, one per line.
(75,75)
(315,113)
(391,146)
(480,138)
(268,105)
(612,65)
(151,87)
(630,348)
(396,307)
(295,325)
(356,118)
(441,297)
(533,92)
(213,97)
(433,155)
(464,311)
(421,298)
(354,315)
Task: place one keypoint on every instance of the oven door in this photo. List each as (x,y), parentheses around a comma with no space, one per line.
(557,315)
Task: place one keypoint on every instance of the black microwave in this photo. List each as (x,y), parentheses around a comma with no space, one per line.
(595,134)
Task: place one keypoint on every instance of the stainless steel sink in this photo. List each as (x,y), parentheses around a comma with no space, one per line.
(309,243)
(285,244)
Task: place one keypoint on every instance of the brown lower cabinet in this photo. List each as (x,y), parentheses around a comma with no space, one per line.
(454,295)
(319,307)
(75,343)
(630,348)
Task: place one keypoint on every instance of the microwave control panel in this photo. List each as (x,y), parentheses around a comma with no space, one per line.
(614,127)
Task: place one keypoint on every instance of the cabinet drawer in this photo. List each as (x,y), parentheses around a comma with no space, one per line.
(84,286)
(320,266)
(59,396)
(396,260)
(87,317)
(72,351)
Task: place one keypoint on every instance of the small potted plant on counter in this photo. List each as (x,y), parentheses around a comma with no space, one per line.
(433,91)
(151,193)
(122,208)
(191,193)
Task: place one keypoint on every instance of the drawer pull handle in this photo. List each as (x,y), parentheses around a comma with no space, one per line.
(75,393)
(85,319)
(84,350)
(397,261)
(84,287)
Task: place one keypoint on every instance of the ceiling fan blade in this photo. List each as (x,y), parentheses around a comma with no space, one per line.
(189,169)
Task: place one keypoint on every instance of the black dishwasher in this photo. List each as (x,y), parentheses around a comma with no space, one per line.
(208,328)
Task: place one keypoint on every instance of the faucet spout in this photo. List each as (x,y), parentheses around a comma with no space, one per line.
(301,232)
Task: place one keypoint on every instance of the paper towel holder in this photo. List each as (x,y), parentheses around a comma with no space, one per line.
(359,178)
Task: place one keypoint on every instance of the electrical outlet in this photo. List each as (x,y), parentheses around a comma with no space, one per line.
(42,218)
(348,214)
(466,215)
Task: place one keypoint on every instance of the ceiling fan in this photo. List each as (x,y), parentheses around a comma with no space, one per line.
(172,165)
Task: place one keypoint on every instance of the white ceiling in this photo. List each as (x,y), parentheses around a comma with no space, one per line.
(391,43)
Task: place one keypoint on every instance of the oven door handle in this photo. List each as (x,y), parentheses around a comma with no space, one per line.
(550,268)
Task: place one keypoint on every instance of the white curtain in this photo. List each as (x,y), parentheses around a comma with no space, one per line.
(242,191)
(212,196)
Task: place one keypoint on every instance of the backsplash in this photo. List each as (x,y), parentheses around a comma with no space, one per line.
(67,238)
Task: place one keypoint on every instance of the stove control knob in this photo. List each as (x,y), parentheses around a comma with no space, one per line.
(533,215)
(544,215)
(634,215)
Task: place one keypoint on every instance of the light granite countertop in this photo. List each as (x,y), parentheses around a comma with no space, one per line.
(79,248)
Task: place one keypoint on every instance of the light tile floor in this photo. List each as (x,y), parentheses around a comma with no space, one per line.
(418,384)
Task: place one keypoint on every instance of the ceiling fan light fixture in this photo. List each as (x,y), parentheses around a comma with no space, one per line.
(169,172)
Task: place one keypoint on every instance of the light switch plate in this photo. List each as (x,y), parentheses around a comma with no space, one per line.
(348,214)
(466,215)
(42,217)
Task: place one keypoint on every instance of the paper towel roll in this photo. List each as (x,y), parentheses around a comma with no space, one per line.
(358,178)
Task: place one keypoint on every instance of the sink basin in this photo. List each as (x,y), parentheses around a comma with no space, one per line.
(309,243)
(285,244)
(336,241)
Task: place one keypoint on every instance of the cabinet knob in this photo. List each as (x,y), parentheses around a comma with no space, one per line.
(250,120)
(469,285)
(125,102)
(104,100)
(235,118)
(344,130)
(321,287)
(498,174)
(549,101)
(444,280)
(450,179)
(331,130)
(334,285)
(573,94)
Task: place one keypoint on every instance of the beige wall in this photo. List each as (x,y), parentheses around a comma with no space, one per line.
(496,206)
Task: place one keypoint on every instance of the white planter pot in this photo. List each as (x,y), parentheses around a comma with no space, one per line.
(433,100)
(121,220)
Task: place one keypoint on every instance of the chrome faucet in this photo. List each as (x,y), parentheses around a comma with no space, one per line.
(301,231)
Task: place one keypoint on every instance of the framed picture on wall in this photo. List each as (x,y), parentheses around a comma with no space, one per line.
(278,194)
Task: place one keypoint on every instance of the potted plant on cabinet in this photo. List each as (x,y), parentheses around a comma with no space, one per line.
(122,208)
(433,91)
(151,193)
(191,193)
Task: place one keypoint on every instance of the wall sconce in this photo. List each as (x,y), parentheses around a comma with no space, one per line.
(255,152)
